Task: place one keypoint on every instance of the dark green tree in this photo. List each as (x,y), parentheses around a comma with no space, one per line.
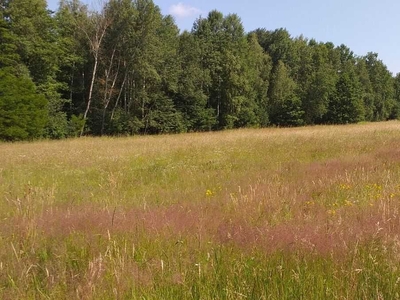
(284,105)
(259,66)
(39,50)
(236,76)
(23,112)
(320,80)
(73,60)
(8,44)
(209,34)
(367,92)
(382,87)
(191,98)
(278,44)
(238,108)
(346,104)
(396,107)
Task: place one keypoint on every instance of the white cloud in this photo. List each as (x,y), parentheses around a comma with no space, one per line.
(181,10)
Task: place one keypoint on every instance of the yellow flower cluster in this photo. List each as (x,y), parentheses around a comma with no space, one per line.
(345,186)
(332,212)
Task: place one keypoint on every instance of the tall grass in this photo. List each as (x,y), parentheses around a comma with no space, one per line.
(302,213)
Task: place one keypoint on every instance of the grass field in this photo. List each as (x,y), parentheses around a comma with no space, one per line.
(302,213)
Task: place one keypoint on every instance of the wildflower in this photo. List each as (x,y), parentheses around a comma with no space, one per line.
(332,212)
(348,203)
(209,193)
(344,186)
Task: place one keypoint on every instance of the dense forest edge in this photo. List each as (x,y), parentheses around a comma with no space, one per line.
(126,69)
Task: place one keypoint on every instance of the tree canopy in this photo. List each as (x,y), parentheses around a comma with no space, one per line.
(125,69)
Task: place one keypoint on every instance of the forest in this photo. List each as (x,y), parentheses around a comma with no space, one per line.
(127,69)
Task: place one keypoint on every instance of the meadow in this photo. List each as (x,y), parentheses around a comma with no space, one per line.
(296,213)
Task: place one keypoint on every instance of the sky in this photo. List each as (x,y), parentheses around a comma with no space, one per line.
(362,25)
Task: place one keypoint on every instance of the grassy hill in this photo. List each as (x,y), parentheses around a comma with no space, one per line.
(301,213)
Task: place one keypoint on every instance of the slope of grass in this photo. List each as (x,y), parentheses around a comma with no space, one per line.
(302,213)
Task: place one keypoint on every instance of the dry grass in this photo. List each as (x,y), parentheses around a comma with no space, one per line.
(264,214)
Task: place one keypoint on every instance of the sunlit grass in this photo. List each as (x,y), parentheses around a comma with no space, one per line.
(300,213)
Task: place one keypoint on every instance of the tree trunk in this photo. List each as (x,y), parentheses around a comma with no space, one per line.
(90,93)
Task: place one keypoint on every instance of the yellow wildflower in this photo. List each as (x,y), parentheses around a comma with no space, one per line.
(348,203)
(209,193)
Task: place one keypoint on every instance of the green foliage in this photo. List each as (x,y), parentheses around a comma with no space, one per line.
(73,55)
(284,107)
(32,23)
(8,44)
(163,117)
(346,105)
(127,69)
(318,84)
(37,48)
(191,99)
(381,86)
(57,125)
(396,106)
(23,112)
(75,124)
(259,65)
(277,43)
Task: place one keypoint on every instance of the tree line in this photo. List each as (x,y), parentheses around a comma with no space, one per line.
(125,68)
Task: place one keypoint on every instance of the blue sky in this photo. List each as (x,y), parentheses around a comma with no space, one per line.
(362,25)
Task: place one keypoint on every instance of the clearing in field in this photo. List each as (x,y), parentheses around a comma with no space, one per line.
(303,213)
